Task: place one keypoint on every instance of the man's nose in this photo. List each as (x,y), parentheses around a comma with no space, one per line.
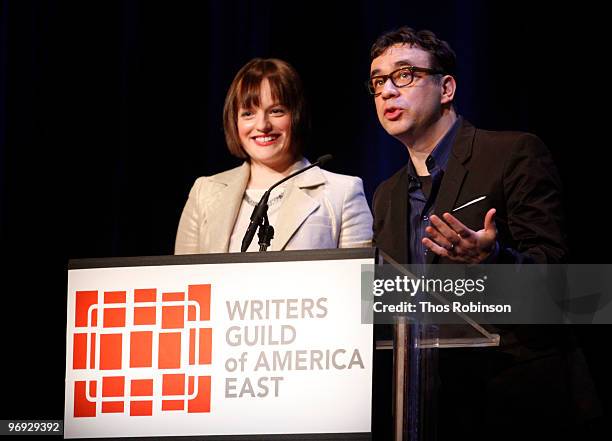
(389,89)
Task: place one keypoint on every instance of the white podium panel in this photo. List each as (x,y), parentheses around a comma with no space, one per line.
(255,348)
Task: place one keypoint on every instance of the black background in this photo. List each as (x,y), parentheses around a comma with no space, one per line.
(109,110)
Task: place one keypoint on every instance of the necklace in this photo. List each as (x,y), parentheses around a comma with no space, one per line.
(271,202)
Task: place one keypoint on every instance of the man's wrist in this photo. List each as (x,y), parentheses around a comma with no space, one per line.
(492,257)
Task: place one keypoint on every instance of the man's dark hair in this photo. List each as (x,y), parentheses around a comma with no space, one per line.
(442,56)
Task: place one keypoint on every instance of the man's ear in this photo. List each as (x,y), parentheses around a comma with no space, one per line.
(448,86)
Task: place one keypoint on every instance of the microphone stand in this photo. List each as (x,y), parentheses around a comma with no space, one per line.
(265,234)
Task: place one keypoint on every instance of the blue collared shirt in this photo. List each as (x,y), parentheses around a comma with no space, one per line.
(422,202)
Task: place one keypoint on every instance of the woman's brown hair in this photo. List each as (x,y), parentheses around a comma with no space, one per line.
(286,88)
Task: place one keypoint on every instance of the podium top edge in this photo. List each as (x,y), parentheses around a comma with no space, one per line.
(220,258)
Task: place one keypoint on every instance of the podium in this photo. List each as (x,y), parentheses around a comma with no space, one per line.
(246,346)
(415,347)
(219,346)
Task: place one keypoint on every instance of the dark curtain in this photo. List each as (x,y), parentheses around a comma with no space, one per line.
(110,109)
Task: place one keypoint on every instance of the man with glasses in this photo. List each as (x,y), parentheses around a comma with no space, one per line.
(473,196)
(466,195)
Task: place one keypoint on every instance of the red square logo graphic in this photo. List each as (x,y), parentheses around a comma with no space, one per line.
(121,339)
(110,351)
(86,313)
(141,408)
(113,386)
(141,388)
(84,400)
(141,349)
(173,384)
(144,316)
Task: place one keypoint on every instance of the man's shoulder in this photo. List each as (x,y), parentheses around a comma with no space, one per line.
(497,146)
(504,139)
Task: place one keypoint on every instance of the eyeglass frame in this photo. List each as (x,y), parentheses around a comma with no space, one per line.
(411,69)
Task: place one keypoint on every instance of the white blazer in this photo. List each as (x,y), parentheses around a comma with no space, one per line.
(319,210)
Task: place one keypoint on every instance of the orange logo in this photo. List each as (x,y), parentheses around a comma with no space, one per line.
(139,351)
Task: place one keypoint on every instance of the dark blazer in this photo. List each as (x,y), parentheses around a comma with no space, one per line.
(536,375)
(515,172)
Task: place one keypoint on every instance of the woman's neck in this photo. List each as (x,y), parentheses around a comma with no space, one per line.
(263,177)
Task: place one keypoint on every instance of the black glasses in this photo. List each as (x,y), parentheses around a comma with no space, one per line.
(401,77)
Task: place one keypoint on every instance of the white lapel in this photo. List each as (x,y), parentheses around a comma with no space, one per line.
(297,205)
(225,205)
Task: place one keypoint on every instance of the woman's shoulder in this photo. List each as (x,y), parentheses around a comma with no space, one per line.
(218,181)
(341,180)
(334,186)
(227,176)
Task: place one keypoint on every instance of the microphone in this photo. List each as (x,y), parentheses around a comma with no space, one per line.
(261,209)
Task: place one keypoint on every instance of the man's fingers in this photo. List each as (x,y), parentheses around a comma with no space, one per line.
(439,238)
(489,222)
(457,226)
(443,252)
(434,247)
(449,234)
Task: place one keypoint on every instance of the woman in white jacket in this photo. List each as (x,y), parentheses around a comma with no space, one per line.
(265,123)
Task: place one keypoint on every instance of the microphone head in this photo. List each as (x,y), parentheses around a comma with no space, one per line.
(324,159)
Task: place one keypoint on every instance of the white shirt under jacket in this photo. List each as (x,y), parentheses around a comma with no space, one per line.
(319,210)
